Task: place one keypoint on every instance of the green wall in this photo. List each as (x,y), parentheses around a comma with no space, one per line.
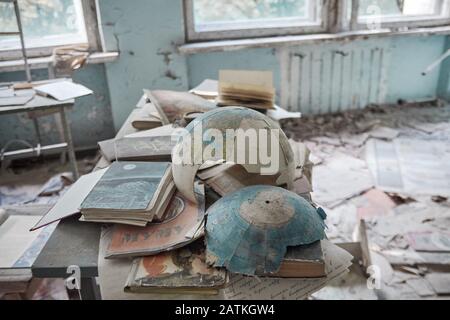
(147,34)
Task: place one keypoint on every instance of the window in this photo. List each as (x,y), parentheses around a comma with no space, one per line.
(45,24)
(231,19)
(212,19)
(403,13)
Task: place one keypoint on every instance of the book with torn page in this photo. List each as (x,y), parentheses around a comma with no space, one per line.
(181,271)
(146,117)
(69,203)
(174,105)
(130,191)
(135,219)
(226,178)
(302,262)
(149,145)
(252,89)
(63,90)
(183,223)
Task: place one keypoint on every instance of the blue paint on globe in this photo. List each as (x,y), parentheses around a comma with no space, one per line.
(248,231)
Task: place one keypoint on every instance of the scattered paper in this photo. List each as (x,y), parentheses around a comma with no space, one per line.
(342,178)
(15,238)
(279,113)
(208,89)
(6,92)
(440,282)
(410,166)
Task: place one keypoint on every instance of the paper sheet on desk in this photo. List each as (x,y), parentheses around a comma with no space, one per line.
(18,246)
(6,92)
(241,287)
(63,90)
(18,97)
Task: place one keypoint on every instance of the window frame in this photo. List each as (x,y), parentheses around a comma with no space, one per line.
(337,16)
(278,27)
(402,22)
(93,32)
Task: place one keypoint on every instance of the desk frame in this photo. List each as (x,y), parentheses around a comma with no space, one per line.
(45,106)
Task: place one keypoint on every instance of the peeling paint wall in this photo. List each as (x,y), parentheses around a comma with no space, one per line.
(329,77)
(409,58)
(444,79)
(146,33)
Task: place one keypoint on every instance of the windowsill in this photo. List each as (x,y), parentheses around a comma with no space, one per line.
(270,42)
(43,62)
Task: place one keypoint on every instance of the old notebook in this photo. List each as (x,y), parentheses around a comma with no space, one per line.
(181,271)
(63,90)
(302,262)
(227,178)
(130,191)
(146,117)
(173,105)
(183,223)
(149,145)
(252,89)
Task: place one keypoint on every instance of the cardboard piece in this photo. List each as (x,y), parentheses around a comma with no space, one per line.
(69,203)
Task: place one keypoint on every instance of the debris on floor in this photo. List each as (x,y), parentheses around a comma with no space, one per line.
(389,166)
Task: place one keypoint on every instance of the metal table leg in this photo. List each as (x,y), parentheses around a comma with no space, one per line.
(68,137)
(38,134)
(89,289)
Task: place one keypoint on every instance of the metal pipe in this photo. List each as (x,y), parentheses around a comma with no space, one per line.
(436,63)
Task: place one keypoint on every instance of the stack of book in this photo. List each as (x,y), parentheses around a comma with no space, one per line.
(132,193)
(252,89)
(182,271)
(226,178)
(157,233)
(185,270)
(148,145)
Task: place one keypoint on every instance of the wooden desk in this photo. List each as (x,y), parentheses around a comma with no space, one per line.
(76,243)
(36,107)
